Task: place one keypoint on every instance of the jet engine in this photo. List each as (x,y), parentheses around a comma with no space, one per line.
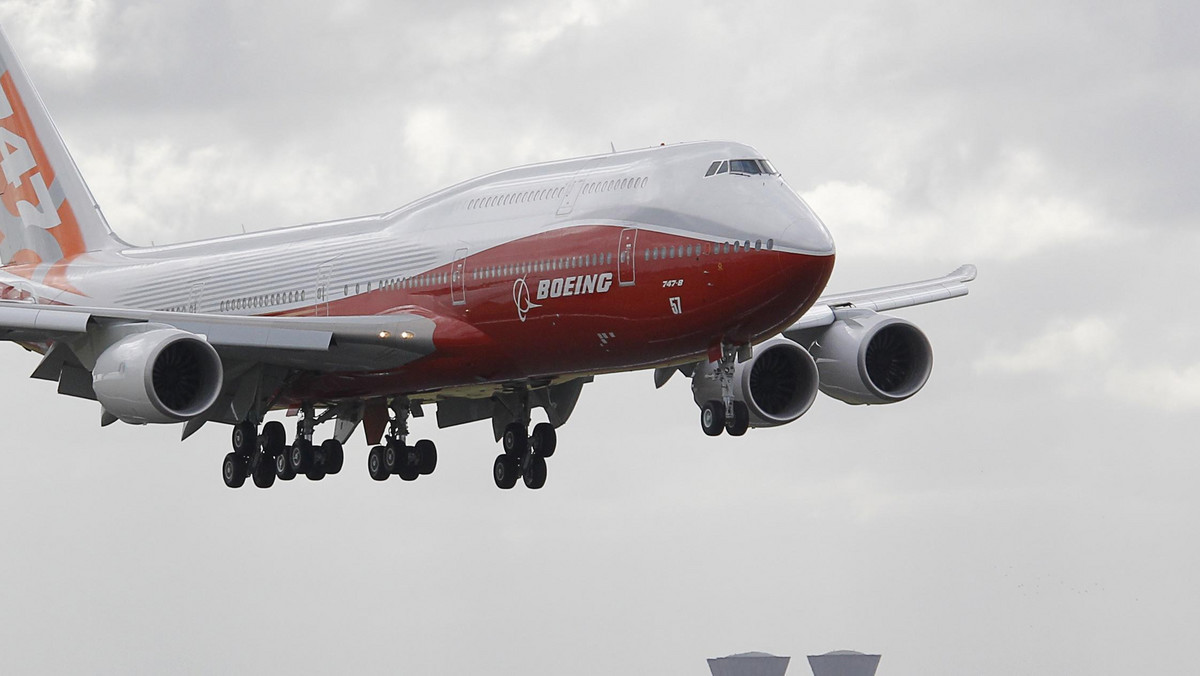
(158,376)
(868,358)
(778,384)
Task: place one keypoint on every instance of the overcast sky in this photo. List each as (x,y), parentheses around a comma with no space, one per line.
(1033,511)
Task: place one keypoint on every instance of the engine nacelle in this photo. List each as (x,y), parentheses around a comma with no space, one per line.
(778,384)
(159,376)
(868,358)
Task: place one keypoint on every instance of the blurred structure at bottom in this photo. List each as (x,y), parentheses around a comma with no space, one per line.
(844,663)
(836,663)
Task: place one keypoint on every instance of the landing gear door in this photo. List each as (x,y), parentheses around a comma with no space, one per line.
(458,278)
(626,261)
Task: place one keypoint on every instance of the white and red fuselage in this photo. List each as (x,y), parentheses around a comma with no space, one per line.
(608,263)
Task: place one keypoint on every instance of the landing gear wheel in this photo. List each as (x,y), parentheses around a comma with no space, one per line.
(283,467)
(535,473)
(426,456)
(234,470)
(375,464)
(741,420)
(316,473)
(516,439)
(505,471)
(301,456)
(712,418)
(334,456)
(245,438)
(408,463)
(264,473)
(544,439)
(274,438)
(391,458)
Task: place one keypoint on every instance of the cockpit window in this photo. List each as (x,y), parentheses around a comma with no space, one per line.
(718,167)
(745,167)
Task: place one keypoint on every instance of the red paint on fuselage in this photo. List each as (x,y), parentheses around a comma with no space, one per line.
(586,310)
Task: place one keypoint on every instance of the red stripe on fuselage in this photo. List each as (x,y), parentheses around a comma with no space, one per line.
(670,307)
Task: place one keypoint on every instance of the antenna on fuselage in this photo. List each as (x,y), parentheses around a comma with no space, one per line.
(613,146)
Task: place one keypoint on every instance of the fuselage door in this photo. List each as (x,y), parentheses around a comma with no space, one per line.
(458,278)
(195,294)
(626,261)
(324,273)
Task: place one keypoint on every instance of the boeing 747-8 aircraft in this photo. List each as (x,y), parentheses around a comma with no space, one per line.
(484,301)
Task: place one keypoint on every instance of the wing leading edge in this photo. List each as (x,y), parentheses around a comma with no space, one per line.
(886,298)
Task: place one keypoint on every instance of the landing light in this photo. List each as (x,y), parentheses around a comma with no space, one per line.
(408,335)
(384,335)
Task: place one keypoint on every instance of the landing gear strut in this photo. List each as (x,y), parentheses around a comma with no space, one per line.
(395,456)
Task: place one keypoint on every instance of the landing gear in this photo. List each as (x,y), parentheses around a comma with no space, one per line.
(267,456)
(248,458)
(524,453)
(396,456)
(725,414)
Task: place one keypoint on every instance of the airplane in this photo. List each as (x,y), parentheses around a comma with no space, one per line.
(484,301)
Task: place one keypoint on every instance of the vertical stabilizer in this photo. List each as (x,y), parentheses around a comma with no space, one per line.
(47,213)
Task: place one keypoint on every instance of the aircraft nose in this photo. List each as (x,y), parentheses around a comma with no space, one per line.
(806,233)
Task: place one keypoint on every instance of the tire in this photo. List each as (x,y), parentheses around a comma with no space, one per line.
(334,455)
(391,457)
(741,420)
(245,438)
(283,467)
(505,471)
(535,473)
(712,418)
(544,439)
(274,438)
(426,457)
(408,463)
(264,473)
(233,470)
(301,456)
(316,473)
(375,465)
(515,439)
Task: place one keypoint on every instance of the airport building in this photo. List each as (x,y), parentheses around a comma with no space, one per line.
(836,663)
(844,663)
(749,664)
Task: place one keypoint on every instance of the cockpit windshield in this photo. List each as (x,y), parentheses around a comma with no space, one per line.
(744,167)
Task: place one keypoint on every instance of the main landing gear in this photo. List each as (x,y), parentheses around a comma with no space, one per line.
(725,414)
(524,455)
(397,457)
(265,457)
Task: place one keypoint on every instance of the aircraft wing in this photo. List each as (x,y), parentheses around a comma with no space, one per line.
(374,342)
(886,298)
